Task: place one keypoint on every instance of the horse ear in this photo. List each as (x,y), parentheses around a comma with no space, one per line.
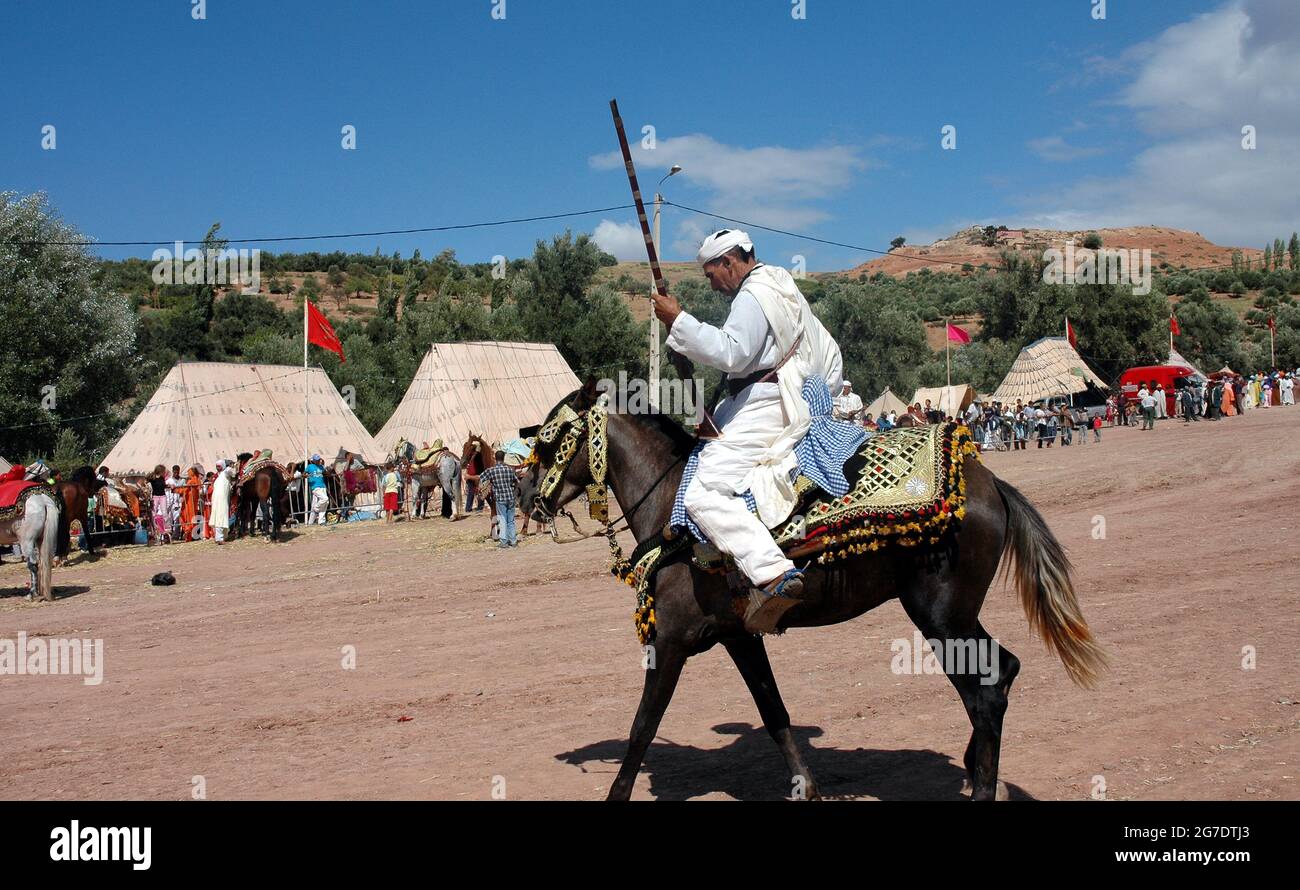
(587,395)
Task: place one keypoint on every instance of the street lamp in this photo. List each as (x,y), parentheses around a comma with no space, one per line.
(654,319)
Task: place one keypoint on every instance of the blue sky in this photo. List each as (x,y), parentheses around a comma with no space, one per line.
(828,125)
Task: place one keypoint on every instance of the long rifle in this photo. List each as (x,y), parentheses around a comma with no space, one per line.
(707,429)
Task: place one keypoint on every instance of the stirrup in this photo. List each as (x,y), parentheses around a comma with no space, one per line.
(766,606)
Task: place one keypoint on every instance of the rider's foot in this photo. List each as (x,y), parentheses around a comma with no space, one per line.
(768,604)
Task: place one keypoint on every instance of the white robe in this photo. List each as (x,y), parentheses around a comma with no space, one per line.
(758,437)
(219,514)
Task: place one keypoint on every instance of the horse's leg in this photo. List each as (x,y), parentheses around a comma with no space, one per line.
(660,681)
(750,656)
(941,616)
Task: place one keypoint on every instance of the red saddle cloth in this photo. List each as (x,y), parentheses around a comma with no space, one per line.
(11,488)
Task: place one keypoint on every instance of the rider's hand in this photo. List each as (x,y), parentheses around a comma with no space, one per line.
(667,308)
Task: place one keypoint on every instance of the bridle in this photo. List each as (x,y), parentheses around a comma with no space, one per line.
(570,428)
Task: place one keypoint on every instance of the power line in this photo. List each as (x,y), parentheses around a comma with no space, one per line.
(280,238)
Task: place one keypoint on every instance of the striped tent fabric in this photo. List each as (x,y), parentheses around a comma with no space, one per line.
(1045,368)
(206,411)
(884,403)
(493,389)
(950,400)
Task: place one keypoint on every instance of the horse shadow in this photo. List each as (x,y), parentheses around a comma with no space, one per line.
(60,591)
(750,767)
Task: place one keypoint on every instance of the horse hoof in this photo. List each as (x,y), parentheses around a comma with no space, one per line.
(1003,793)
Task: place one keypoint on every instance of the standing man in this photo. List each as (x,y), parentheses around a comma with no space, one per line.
(770,343)
(320,498)
(848,404)
(220,512)
(1148,408)
(505,492)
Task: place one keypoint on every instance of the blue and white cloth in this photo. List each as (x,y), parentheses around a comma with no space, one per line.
(821,455)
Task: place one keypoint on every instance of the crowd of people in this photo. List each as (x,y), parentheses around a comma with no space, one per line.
(1007,427)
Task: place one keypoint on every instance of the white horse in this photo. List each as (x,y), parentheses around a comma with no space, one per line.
(443,471)
(35,530)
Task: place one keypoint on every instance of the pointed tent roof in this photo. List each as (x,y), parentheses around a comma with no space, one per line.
(5,466)
(205,411)
(1045,368)
(490,388)
(1176,358)
(884,403)
(948,399)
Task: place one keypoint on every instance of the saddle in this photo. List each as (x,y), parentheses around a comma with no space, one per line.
(907,490)
(427,456)
(14,495)
(257,463)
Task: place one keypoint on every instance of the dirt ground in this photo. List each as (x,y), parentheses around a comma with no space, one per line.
(479,670)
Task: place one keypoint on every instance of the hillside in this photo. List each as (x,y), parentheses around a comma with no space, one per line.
(1176,247)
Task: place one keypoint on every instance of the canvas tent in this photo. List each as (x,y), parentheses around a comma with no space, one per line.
(5,466)
(948,399)
(1176,358)
(884,403)
(1045,368)
(205,411)
(489,388)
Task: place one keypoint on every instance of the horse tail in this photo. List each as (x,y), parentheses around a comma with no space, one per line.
(1042,578)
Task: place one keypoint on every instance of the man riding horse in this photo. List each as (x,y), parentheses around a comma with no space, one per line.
(770,343)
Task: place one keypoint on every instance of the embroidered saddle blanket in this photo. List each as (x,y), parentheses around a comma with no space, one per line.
(906,489)
(14,495)
(250,469)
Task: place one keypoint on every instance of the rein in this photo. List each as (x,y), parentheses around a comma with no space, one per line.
(593,426)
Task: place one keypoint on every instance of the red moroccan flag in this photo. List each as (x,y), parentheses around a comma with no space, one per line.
(1174,328)
(956,334)
(1272,324)
(320,332)
(1069,334)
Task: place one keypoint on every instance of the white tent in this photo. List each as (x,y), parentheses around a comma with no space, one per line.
(884,403)
(1176,358)
(205,411)
(1048,367)
(489,388)
(948,399)
(5,466)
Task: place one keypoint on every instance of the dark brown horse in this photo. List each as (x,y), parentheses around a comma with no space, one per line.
(76,490)
(266,491)
(942,595)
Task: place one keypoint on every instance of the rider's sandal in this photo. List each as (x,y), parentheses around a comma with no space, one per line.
(766,606)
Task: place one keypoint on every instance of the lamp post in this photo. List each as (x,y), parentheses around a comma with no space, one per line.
(654,319)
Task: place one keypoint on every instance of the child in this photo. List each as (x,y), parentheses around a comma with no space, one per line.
(1096,428)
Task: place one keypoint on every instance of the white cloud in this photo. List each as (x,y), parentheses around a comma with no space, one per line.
(1193,89)
(770,185)
(1055,148)
(623,240)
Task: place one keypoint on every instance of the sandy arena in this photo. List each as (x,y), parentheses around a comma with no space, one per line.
(520,671)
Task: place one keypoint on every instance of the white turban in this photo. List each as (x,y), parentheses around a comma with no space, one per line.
(720,242)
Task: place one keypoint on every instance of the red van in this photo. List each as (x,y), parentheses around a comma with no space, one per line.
(1171,377)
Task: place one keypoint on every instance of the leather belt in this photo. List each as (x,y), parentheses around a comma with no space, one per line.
(735,385)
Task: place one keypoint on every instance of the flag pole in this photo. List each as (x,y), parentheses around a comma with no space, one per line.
(306,393)
(947,349)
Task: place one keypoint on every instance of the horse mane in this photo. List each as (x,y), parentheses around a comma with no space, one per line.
(682,442)
(84,474)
